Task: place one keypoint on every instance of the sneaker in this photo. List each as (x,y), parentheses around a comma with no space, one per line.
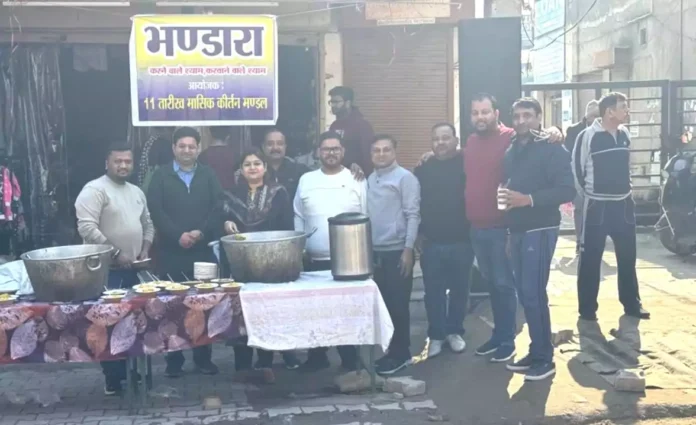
(434,348)
(173,372)
(503,354)
(487,348)
(521,365)
(639,313)
(456,343)
(113,388)
(390,365)
(207,369)
(540,371)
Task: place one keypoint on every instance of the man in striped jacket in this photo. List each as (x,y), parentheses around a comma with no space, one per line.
(601,166)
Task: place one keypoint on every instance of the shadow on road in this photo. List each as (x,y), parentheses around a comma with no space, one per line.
(600,359)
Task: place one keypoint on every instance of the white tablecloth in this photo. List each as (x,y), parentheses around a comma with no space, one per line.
(315,311)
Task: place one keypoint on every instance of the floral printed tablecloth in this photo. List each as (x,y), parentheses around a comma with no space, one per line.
(33,332)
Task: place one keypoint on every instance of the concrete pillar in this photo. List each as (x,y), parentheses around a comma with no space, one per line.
(331,75)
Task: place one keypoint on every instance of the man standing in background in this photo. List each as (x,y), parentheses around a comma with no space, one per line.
(182,198)
(323,194)
(221,154)
(113,212)
(446,252)
(281,169)
(591,114)
(352,126)
(602,170)
(393,202)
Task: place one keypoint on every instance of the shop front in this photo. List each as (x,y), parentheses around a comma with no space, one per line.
(66,94)
(401,63)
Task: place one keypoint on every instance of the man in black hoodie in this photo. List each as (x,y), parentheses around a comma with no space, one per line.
(182,197)
(538,180)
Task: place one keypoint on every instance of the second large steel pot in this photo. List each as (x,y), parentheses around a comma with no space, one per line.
(350,240)
(70,273)
(265,257)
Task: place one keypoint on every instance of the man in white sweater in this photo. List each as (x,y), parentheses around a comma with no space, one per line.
(322,194)
(114,212)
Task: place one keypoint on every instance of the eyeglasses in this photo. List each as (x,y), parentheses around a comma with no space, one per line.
(335,102)
(330,150)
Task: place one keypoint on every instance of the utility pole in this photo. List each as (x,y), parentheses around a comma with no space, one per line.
(681,40)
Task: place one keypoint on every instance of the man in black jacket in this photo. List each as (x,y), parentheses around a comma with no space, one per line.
(182,197)
(591,114)
(538,180)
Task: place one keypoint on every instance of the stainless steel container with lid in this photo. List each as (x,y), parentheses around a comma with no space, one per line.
(350,241)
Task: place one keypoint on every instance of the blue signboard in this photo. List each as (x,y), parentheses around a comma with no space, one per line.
(549,15)
(549,58)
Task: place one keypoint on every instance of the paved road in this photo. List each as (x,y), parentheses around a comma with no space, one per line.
(462,389)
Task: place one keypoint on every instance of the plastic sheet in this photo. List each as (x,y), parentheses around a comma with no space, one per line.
(33,127)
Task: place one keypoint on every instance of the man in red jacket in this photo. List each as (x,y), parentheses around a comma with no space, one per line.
(483,165)
(357,133)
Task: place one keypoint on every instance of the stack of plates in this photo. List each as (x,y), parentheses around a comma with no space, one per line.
(205,271)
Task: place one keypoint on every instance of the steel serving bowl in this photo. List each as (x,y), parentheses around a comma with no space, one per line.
(69,273)
(265,257)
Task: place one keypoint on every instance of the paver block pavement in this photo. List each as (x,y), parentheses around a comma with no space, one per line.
(406,385)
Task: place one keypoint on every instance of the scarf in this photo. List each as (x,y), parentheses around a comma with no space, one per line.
(249,210)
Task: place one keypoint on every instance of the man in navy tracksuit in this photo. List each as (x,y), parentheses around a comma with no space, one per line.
(538,180)
(602,169)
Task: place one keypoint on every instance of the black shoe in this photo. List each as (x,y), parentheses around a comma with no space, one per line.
(113,388)
(390,365)
(207,369)
(315,365)
(639,313)
(291,361)
(173,372)
(590,317)
(522,365)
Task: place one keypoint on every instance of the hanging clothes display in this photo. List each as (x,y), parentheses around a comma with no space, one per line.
(33,123)
(13,228)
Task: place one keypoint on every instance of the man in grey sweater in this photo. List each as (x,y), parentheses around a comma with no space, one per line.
(393,202)
(114,212)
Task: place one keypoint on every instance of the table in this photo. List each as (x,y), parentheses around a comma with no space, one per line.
(33,332)
(316,311)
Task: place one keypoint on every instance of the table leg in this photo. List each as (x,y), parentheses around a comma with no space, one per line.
(131,384)
(372,370)
(149,372)
(142,369)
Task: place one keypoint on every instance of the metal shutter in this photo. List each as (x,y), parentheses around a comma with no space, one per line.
(402,82)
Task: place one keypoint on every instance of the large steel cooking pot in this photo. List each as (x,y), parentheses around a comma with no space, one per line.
(68,273)
(350,241)
(265,257)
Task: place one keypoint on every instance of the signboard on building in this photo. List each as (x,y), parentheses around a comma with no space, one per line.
(406,12)
(203,70)
(549,59)
(549,15)
(549,41)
